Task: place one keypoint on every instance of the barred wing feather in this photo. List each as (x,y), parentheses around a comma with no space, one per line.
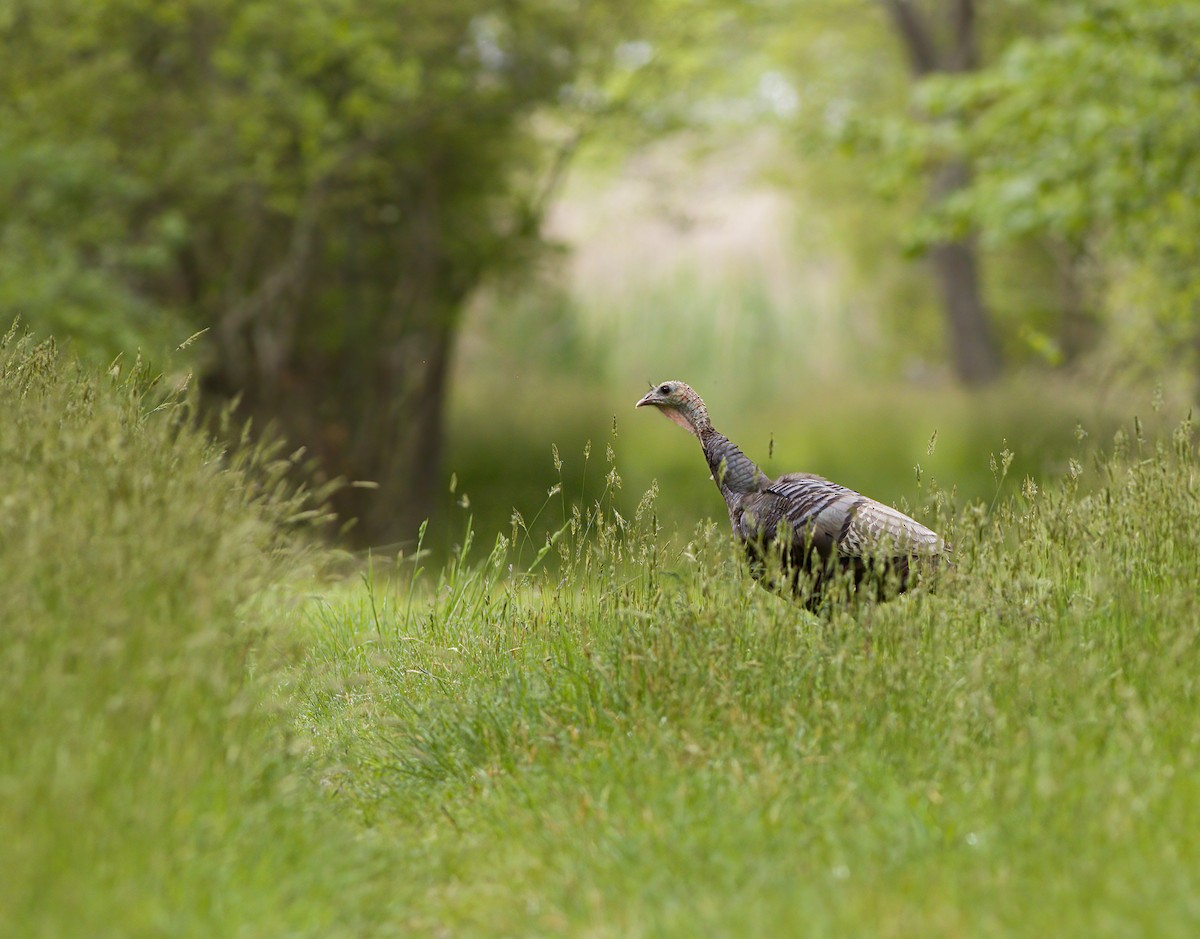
(840,518)
(875,524)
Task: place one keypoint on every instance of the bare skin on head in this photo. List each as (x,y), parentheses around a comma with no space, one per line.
(816,525)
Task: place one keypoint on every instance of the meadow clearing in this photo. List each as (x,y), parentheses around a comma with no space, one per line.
(615,734)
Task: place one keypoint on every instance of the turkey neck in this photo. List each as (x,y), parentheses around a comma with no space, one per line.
(734,473)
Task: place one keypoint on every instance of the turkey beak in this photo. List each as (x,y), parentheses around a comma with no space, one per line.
(648,399)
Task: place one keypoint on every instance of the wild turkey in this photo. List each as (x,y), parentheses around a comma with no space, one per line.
(801,522)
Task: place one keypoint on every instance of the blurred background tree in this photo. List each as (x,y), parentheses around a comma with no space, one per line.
(1087,134)
(322,184)
(942,38)
(857,206)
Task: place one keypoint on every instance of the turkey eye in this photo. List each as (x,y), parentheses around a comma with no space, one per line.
(664,390)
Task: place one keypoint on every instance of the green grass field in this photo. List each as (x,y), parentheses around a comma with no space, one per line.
(621,735)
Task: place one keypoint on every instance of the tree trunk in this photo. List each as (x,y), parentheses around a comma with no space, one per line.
(367,398)
(1079,328)
(382,426)
(976,358)
(398,443)
(973,345)
(956,268)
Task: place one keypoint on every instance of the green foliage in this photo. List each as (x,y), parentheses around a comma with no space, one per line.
(321,184)
(645,742)
(1088,133)
(171,158)
(1080,136)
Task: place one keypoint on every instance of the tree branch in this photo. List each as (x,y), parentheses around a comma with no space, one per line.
(914,30)
(268,313)
(557,172)
(965,55)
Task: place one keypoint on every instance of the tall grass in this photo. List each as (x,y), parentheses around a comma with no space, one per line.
(643,742)
(581,725)
(878,438)
(146,788)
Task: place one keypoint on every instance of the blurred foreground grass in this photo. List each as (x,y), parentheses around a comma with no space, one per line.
(147,785)
(635,740)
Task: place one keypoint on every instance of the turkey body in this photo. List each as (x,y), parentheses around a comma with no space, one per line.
(799,528)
